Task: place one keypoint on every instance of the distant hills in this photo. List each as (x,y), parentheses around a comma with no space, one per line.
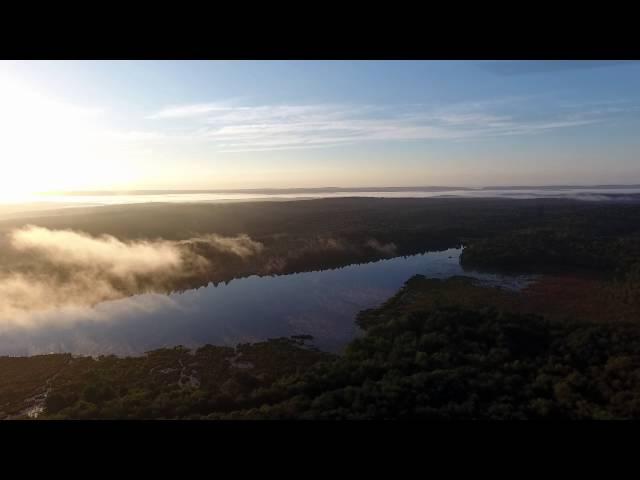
(280,191)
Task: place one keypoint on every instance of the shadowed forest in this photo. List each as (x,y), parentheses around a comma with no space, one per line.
(318,234)
(565,347)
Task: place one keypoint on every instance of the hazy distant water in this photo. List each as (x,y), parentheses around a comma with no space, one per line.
(567,192)
(39,202)
(322,303)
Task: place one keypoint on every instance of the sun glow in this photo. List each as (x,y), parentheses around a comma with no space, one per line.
(49,145)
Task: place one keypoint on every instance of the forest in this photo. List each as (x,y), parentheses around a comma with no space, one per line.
(414,361)
(298,236)
(565,347)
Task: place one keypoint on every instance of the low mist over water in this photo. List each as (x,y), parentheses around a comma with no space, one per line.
(323,304)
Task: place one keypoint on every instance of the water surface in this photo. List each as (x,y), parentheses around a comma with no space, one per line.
(321,303)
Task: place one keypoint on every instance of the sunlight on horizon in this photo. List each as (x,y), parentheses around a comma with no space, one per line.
(69,126)
(52,145)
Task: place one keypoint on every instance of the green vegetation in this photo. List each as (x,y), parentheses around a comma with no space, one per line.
(175,382)
(431,352)
(24,377)
(318,234)
(567,347)
(453,363)
(599,236)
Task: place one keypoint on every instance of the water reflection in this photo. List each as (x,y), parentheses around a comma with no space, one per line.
(322,304)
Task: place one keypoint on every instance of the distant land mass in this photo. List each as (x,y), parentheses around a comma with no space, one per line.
(280,191)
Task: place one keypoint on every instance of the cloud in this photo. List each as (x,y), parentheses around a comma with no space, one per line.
(388,249)
(241,245)
(65,268)
(190,110)
(185,111)
(280,127)
(105,253)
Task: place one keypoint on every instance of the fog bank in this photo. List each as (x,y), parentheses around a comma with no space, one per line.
(66,268)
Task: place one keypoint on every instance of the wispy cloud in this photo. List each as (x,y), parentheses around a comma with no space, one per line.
(186,111)
(191,110)
(278,127)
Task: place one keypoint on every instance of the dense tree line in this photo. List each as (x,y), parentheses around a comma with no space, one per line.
(445,359)
(454,363)
(330,233)
(447,362)
(175,382)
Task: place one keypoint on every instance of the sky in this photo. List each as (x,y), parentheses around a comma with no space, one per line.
(94,125)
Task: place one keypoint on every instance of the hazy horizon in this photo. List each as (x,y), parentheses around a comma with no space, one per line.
(232,125)
(32,204)
(346,189)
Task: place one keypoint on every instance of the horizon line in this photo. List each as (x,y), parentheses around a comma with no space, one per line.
(275,190)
